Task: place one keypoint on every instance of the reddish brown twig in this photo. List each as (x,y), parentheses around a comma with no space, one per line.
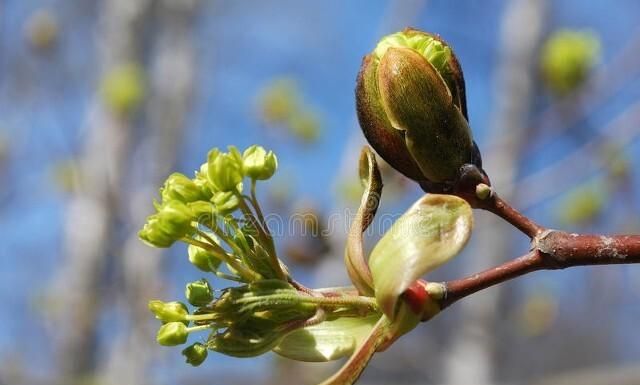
(501,208)
(460,288)
(550,250)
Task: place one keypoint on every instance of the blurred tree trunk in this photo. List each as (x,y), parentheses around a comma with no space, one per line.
(470,359)
(90,226)
(171,83)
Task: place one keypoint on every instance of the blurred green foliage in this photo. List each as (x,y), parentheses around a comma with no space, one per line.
(566,59)
(281,104)
(583,204)
(122,88)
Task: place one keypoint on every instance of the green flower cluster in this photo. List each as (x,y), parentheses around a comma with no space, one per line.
(227,236)
(243,321)
(215,192)
(266,309)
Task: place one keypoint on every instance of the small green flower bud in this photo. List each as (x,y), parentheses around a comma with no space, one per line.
(169,311)
(153,235)
(170,223)
(202,211)
(202,181)
(224,170)
(199,292)
(235,154)
(411,106)
(195,354)
(179,187)
(177,214)
(172,334)
(225,202)
(202,259)
(258,164)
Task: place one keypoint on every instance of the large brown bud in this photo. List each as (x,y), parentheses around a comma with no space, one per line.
(411,106)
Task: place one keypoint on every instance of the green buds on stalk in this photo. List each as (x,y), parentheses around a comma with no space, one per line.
(225,202)
(215,192)
(224,170)
(258,163)
(195,354)
(411,105)
(179,187)
(199,293)
(170,223)
(169,311)
(202,259)
(172,334)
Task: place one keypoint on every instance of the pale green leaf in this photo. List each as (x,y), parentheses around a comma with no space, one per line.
(381,336)
(431,232)
(327,341)
(353,368)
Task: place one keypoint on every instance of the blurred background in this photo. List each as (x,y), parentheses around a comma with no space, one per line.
(100,100)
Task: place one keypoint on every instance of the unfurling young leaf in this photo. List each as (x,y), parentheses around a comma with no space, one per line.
(354,259)
(432,231)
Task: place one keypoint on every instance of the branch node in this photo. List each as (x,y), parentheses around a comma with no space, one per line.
(545,241)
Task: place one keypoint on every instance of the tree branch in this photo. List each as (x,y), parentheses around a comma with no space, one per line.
(501,208)
(460,288)
(552,250)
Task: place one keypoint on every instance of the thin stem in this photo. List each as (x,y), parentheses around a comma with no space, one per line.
(337,291)
(200,317)
(206,237)
(300,287)
(234,246)
(256,206)
(319,317)
(354,301)
(263,233)
(245,273)
(253,200)
(228,277)
(198,328)
(260,223)
(204,245)
(228,240)
(246,210)
(501,208)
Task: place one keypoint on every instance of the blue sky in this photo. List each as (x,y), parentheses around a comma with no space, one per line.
(240,46)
